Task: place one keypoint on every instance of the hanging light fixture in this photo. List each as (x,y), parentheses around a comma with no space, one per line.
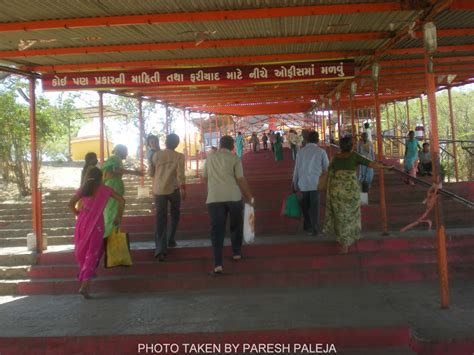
(430,42)
(353,88)
(430,38)
(376,75)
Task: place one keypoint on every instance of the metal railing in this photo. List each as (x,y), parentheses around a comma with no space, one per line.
(424,183)
(447,157)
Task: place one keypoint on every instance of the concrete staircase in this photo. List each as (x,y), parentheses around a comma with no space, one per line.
(283,260)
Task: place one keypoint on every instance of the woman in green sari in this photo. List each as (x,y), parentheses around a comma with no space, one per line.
(278,147)
(113,171)
(342,217)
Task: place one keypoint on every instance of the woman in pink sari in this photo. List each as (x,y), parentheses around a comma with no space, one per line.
(89,231)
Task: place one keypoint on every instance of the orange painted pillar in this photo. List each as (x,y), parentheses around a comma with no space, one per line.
(339,120)
(35,193)
(387,114)
(422,109)
(383,205)
(453,134)
(186,152)
(324,128)
(408,114)
(141,127)
(330,135)
(201,132)
(353,130)
(434,148)
(210,132)
(167,119)
(101,127)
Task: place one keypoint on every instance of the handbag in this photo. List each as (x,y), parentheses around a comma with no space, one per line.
(117,249)
(291,207)
(323,182)
(249,224)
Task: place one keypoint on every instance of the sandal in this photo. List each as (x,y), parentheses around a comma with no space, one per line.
(237,257)
(217,270)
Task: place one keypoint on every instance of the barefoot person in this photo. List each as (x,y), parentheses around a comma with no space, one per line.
(342,217)
(113,171)
(89,230)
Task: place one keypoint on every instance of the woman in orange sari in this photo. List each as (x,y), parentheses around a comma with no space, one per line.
(89,230)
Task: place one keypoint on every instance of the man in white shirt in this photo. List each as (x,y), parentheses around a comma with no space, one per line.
(311,162)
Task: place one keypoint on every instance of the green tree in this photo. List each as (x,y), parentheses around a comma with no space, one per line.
(15,155)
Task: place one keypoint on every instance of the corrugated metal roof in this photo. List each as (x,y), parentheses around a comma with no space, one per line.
(24,10)
(384,23)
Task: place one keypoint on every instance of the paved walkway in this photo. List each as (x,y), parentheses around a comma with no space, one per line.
(408,304)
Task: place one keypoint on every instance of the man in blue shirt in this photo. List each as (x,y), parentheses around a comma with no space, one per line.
(311,162)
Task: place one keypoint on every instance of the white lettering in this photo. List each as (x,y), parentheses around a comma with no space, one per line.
(81,81)
(202,76)
(175,77)
(234,75)
(145,78)
(259,73)
(57,81)
(110,80)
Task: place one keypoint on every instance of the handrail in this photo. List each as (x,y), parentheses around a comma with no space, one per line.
(401,138)
(451,195)
(442,191)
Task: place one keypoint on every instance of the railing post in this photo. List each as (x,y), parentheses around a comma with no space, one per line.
(434,147)
(453,134)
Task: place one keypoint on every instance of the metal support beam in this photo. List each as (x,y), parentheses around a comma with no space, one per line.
(440,229)
(383,205)
(101,127)
(408,114)
(453,134)
(142,138)
(35,192)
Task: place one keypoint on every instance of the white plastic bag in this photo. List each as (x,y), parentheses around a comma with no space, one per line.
(249,224)
(364,198)
(143,192)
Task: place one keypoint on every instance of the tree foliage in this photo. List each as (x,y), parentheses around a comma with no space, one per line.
(463,113)
(15,154)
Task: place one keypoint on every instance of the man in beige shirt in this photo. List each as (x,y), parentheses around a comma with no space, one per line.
(168,186)
(225,186)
